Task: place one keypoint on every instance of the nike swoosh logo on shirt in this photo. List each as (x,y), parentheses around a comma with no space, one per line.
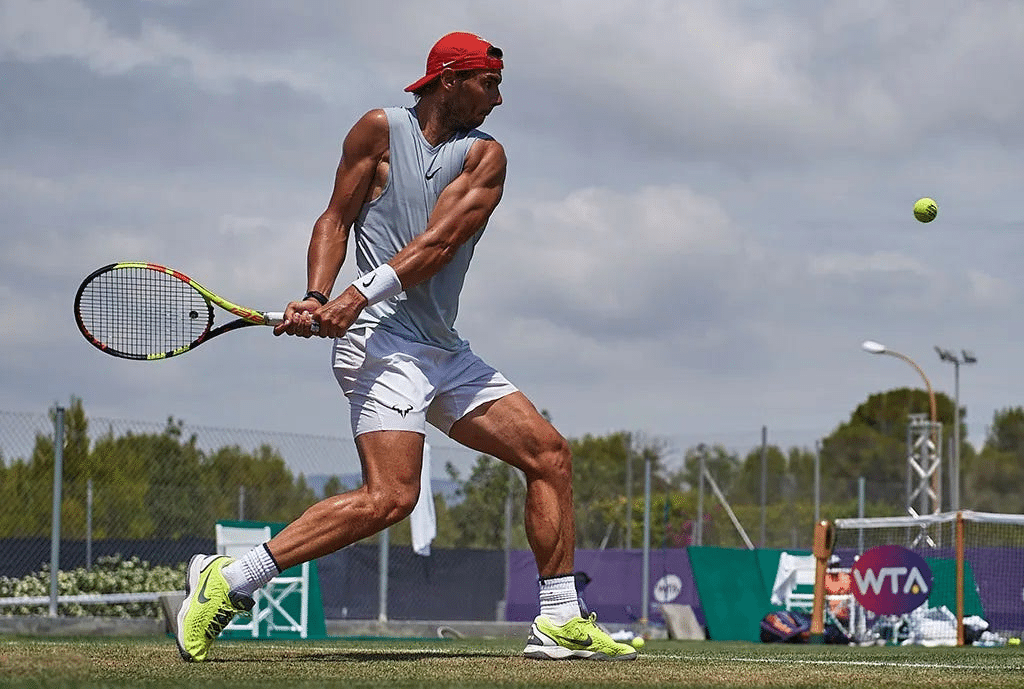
(430,175)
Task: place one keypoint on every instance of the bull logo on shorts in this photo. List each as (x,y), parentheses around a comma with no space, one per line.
(401,412)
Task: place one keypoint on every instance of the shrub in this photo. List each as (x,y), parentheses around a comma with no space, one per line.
(108,575)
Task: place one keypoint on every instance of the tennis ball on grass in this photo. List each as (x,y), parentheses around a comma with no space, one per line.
(638,642)
(926,209)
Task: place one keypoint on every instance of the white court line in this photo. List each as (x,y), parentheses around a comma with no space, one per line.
(442,652)
(868,663)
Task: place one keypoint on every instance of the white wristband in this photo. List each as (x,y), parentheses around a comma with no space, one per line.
(379,284)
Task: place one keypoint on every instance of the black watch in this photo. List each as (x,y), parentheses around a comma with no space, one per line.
(313,294)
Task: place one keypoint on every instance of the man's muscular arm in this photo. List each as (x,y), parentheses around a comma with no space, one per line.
(461,210)
(363,149)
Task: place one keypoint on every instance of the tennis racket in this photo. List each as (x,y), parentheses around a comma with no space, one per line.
(148,311)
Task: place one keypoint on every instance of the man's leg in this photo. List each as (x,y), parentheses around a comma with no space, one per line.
(391,463)
(218,588)
(511,429)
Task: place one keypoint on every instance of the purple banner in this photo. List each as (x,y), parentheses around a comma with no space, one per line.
(615,592)
(999,575)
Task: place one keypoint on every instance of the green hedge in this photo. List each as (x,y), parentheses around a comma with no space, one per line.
(108,575)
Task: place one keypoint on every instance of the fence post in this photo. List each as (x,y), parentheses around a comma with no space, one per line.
(699,531)
(510,478)
(817,482)
(764,485)
(382,600)
(88,525)
(645,574)
(58,481)
(861,500)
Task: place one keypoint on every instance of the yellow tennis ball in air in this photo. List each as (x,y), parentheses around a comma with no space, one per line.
(926,209)
(638,642)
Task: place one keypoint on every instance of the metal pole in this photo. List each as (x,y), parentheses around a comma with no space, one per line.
(508,539)
(699,531)
(964,357)
(955,488)
(384,547)
(646,573)
(817,482)
(88,526)
(241,503)
(764,483)
(629,498)
(58,481)
(861,484)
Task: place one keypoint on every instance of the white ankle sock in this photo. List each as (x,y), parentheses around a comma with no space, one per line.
(558,598)
(251,571)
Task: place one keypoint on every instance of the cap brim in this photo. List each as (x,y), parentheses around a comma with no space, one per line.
(420,83)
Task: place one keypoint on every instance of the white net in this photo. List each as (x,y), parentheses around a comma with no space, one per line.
(993,560)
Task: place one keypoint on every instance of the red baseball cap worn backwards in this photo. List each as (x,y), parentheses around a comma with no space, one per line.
(458,51)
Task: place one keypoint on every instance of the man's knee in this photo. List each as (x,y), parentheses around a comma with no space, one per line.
(393,504)
(554,460)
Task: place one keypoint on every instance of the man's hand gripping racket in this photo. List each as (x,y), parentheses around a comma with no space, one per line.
(148,311)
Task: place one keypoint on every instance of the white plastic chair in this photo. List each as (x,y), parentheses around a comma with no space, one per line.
(794,589)
(269,602)
(795,571)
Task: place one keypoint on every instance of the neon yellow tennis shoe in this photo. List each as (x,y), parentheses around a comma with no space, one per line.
(208,607)
(578,638)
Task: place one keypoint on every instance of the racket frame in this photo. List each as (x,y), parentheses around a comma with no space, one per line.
(246,316)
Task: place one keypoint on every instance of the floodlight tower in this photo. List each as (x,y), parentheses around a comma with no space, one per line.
(965,357)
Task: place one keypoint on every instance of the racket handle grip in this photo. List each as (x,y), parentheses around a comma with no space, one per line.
(277,318)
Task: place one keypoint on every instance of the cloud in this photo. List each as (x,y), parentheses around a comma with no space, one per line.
(707,209)
(29,33)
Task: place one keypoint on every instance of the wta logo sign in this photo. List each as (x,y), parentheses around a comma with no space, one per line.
(891,580)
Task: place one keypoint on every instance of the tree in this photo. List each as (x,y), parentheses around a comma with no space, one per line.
(722,464)
(873,444)
(994,483)
(258,483)
(333,486)
(599,482)
(479,518)
(747,487)
(145,485)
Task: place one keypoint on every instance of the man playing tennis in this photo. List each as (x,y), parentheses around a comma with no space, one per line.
(417,185)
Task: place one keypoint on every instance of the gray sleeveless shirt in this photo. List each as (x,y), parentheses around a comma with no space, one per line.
(417,175)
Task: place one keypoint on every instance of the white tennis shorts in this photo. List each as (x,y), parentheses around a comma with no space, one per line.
(396,385)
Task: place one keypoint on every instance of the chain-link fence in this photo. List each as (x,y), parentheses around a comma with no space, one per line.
(139,496)
(150,492)
(154,485)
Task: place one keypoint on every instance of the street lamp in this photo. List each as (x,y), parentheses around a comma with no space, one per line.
(951,357)
(873,347)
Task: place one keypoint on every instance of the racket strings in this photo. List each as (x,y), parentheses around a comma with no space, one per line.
(142,312)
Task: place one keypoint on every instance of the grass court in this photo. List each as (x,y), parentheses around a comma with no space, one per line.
(154,662)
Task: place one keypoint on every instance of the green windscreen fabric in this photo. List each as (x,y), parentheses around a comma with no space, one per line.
(944,586)
(735,589)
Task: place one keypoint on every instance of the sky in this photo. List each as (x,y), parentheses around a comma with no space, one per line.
(708,206)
